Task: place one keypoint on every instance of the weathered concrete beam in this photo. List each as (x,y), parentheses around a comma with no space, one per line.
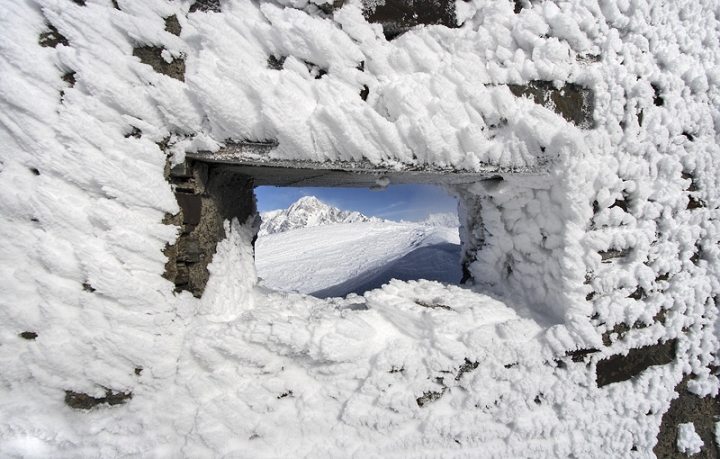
(252,158)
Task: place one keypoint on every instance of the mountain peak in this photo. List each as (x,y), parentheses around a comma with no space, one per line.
(308,202)
(305,212)
(308,199)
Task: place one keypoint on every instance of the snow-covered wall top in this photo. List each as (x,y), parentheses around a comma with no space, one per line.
(611,251)
(330,87)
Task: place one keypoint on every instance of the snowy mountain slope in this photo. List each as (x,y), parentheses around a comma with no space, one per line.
(339,259)
(306,212)
(438,262)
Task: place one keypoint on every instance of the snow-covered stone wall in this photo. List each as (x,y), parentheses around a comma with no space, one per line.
(590,234)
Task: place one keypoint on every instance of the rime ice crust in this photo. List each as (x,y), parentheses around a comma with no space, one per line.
(617,243)
(688,441)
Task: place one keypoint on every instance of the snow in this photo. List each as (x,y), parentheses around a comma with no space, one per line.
(248,371)
(308,211)
(344,258)
(688,441)
(314,248)
(446,219)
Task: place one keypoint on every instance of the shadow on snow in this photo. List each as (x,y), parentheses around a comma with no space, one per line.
(437,262)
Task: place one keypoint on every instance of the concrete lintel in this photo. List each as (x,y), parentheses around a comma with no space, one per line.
(267,171)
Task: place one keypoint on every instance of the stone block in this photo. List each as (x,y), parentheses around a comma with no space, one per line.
(189,250)
(398,16)
(572,101)
(205,6)
(52,38)
(172,25)
(181,170)
(182,276)
(152,56)
(623,367)
(191,205)
(81,401)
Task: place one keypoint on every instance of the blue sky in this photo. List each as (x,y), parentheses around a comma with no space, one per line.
(397,202)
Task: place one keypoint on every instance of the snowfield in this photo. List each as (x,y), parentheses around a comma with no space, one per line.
(314,248)
(354,257)
(611,245)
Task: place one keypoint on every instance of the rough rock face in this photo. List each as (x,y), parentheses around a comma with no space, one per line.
(307,211)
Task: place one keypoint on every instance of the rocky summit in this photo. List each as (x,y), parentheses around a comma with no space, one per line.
(306,212)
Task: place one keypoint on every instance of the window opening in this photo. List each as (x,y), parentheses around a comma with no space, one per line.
(333,241)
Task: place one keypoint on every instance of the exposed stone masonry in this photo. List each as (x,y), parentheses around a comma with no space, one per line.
(52,38)
(398,16)
(153,56)
(207,196)
(688,407)
(623,367)
(471,230)
(571,101)
(81,401)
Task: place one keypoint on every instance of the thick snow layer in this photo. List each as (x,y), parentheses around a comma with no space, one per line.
(619,229)
(688,441)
